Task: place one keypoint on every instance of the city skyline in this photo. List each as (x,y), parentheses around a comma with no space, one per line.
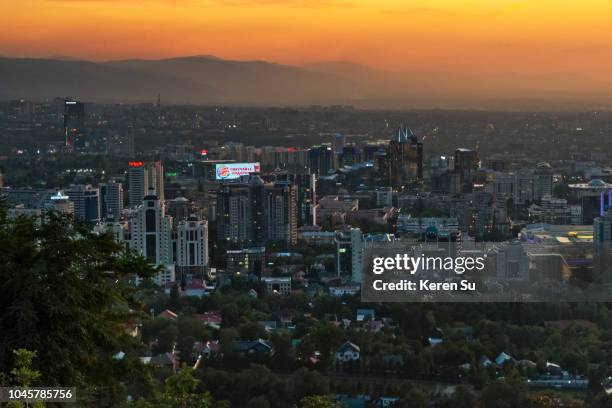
(306,203)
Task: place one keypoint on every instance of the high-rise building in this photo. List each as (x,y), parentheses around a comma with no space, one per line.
(252,213)
(192,245)
(241,212)
(370,151)
(349,156)
(156,179)
(466,159)
(74,117)
(543,181)
(111,199)
(86,201)
(339,142)
(151,236)
(297,160)
(257,196)
(602,241)
(144,177)
(137,176)
(321,159)
(281,213)
(281,158)
(306,198)
(233,213)
(466,163)
(357,255)
(602,228)
(350,251)
(595,198)
(306,195)
(405,159)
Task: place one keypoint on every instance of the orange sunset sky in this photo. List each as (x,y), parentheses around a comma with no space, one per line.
(536,36)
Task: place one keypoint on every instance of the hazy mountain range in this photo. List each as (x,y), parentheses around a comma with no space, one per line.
(211,80)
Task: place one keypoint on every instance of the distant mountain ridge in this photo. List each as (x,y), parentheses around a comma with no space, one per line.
(211,80)
(47,78)
(251,82)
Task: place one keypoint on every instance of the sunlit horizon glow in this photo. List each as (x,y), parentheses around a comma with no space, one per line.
(475,36)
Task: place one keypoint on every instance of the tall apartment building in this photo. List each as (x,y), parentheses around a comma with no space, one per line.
(306,195)
(543,181)
(404,159)
(357,255)
(143,177)
(192,245)
(252,213)
(74,118)
(240,212)
(86,201)
(281,213)
(156,179)
(137,178)
(602,255)
(321,159)
(151,236)
(111,199)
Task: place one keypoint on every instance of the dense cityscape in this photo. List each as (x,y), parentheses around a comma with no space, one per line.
(237,239)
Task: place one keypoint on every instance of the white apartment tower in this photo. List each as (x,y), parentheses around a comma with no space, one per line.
(151,236)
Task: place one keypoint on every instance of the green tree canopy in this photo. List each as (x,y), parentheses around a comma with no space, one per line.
(64,294)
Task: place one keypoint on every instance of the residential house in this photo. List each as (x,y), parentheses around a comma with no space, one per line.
(168,314)
(197,287)
(502,359)
(211,319)
(347,352)
(258,347)
(485,361)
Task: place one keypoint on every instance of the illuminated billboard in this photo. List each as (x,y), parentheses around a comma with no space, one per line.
(230,171)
